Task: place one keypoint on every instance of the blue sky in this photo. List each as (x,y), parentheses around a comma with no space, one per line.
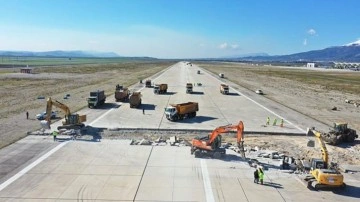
(178,29)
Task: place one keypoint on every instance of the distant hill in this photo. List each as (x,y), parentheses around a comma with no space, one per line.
(347,53)
(58,53)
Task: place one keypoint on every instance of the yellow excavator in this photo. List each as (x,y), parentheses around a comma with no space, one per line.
(72,121)
(321,174)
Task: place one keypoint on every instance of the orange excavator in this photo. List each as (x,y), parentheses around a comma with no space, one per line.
(211,145)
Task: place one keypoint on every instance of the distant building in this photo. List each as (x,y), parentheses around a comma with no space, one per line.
(310,65)
(26,70)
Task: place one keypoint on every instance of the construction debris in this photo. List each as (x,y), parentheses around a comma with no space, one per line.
(356,103)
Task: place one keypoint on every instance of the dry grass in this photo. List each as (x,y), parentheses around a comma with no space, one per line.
(311,92)
(19,92)
(344,81)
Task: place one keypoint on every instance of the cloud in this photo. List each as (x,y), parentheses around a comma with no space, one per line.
(228,46)
(223,46)
(305,42)
(311,32)
(235,46)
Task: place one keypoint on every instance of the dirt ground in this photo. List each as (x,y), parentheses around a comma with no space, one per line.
(19,94)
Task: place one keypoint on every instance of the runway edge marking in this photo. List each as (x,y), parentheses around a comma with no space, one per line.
(207,184)
(31,166)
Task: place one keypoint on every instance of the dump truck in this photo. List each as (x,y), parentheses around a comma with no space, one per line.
(221,75)
(189,88)
(121,93)
(135,99)
(96,98)
(181,111)
(224,89)
(160,88)
(148,83)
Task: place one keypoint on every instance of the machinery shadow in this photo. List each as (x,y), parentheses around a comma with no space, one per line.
(108,106)
(198,119)
(348,144)
(349,190)
(233,157)
(197,93)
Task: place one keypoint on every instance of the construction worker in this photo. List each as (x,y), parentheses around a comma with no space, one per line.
(282,123)
(261,175)
(274,123)
(256,177)
(55,133)
(268,121)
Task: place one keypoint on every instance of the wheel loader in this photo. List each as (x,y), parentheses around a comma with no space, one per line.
(340,133)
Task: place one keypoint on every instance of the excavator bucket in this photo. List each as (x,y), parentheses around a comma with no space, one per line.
(310,133)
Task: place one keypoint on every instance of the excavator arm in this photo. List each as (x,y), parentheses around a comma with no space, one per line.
(58,104)
(210,143)
(324,152)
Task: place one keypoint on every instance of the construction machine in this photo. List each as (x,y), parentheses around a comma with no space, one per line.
(211,145)
(321,173)
(340,133)
(72,121)
(148,83)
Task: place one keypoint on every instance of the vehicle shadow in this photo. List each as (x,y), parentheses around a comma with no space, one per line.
(349,190)
(233,94)
(197,93)
(168,93)
(108,106)
(198,119)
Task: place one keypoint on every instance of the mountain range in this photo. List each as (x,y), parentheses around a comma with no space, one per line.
(346,53)
(59,53)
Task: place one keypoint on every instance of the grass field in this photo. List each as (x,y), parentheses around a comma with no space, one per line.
(10,61)
(344,81)
(19,92)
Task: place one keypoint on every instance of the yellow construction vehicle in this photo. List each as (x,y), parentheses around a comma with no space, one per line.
(321,173)
(72,121)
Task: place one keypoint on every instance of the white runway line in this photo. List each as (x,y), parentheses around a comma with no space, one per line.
(207,184)
(302,130)
(31,166)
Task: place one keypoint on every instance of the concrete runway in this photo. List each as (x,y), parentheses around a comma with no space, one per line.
(38,169)
(215,109)
(113,170)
